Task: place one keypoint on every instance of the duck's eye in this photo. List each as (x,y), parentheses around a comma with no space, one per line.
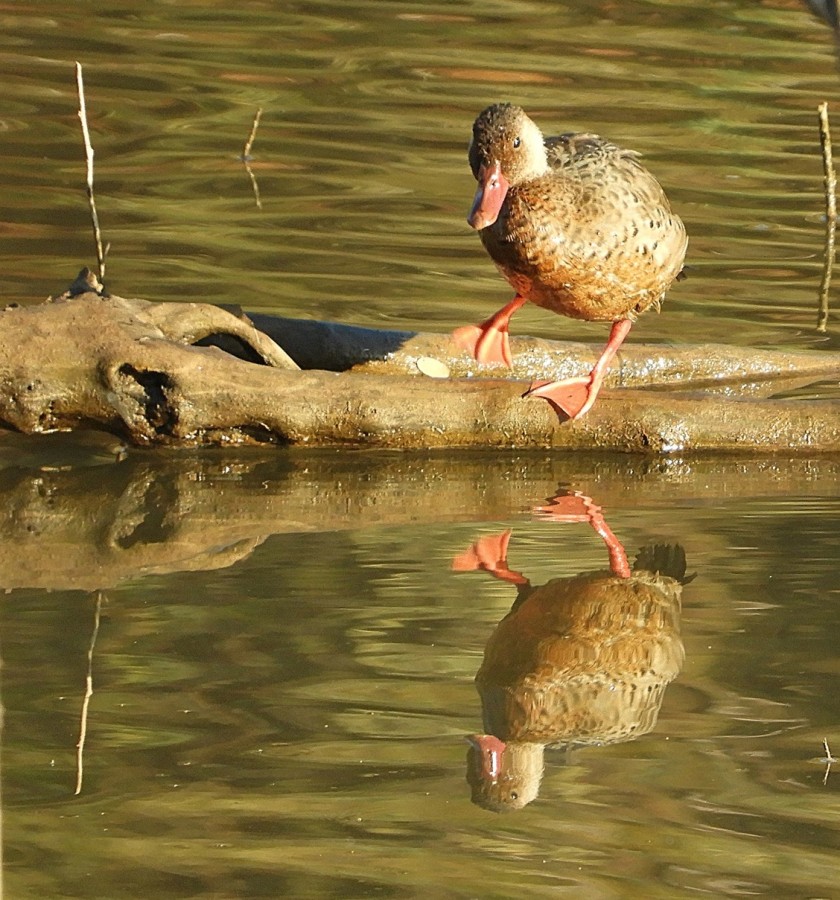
(516,142)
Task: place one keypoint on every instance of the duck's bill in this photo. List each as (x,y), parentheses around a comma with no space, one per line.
(491,750)
(489,196)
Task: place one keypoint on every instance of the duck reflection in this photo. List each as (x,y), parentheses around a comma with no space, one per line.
(576,661)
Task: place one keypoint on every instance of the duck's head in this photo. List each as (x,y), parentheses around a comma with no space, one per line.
(503,776)
(506,148)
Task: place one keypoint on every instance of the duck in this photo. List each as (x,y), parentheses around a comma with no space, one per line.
(578,661)
(578,226)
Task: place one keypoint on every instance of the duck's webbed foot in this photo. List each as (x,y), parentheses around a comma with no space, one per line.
(571,398)
(574,397)
(488,342)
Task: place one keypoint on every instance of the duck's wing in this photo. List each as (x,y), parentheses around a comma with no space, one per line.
(580,149)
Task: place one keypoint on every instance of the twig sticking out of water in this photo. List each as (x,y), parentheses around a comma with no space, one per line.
(80,746)
(246,157)
(246,153)
(830,215)
(828,759)
(97,234)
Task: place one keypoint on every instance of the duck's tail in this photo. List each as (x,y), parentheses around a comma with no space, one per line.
(663,559)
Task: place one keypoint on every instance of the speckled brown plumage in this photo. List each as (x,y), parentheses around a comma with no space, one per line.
(577,661)
(577,225)
(583,660)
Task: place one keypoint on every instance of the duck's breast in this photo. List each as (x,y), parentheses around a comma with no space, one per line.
(593,241)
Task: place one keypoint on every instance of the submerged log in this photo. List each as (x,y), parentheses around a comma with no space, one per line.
(134,368)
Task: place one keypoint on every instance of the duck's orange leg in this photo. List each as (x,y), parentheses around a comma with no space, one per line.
(573,506)
(574,397)
(488,342)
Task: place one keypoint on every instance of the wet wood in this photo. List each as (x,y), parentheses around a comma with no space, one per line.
(134,368)
(724,368)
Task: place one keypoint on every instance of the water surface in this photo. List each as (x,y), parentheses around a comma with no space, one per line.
(282,669)
(282,679)
(360,159)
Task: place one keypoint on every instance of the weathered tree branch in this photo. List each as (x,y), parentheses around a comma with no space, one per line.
(132,367)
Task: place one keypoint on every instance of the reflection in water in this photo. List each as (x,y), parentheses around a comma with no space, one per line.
(258,712)
(827,9)
(582,660)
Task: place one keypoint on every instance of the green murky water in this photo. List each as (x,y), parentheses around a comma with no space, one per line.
(268,660)
(360,158)
(281,679)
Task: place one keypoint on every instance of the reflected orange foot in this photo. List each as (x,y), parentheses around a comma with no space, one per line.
(574,507)
(486,553)
(489,554)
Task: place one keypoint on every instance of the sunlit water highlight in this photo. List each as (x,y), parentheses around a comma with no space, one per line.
(283,671)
